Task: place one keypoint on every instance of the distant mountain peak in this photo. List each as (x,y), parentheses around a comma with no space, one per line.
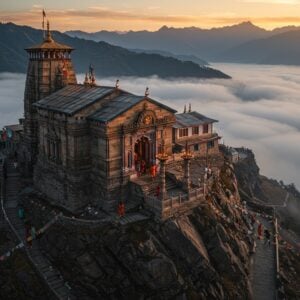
(163,28)
(248,25)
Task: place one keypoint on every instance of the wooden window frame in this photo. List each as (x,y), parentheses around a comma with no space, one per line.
(195,130)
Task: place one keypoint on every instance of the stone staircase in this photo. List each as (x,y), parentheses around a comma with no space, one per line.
(264,272)
(147,186)
(51,276)
(132,218)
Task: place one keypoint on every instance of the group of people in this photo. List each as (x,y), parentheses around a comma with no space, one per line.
(141,168)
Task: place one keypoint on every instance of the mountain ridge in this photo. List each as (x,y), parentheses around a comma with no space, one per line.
(108,60)
(282,48)
(223,44)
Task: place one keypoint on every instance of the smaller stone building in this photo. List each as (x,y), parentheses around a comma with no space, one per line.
(195,131)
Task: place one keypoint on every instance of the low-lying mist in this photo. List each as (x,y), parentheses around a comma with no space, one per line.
(259,109)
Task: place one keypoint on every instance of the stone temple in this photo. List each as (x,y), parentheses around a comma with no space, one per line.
(84,143)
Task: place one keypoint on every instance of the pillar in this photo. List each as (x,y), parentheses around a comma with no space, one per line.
(187,179)
(163,191)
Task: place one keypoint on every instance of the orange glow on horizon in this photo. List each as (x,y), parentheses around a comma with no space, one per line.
(93,19)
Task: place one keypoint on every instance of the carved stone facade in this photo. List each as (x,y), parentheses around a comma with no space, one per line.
(89,155)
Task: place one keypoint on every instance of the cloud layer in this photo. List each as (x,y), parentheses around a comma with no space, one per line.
(258,109)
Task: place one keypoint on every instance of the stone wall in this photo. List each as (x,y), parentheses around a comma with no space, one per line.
(62,187)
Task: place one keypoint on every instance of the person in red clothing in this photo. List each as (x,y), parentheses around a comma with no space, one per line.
(157,193)
(121,209)
(28,238)
(143,167)
(153,171)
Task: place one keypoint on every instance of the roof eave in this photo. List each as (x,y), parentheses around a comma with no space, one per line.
(160,104)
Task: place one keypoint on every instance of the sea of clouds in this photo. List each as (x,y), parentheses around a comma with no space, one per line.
(259,109)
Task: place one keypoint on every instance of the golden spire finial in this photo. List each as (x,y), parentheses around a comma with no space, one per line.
(48,34)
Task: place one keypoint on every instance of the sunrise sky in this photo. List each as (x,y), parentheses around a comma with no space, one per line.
(91,15)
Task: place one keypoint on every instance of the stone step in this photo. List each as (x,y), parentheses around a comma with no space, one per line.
(63,292)
(52,276)
(57,284)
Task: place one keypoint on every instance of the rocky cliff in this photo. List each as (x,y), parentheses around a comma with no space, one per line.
(202,254)
(255,187)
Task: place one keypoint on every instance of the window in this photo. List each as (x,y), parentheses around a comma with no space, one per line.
(129,158)
(160,134)
(195,130)
(196,147)
(183,132)
(210,144)
(54,150)
(205,128)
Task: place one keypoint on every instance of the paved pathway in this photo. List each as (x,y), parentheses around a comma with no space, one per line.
(132,218)
(51,276)
(264,272)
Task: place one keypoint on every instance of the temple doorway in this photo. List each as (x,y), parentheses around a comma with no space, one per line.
(143,154)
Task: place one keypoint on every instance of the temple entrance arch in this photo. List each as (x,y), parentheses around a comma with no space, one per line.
(144,154)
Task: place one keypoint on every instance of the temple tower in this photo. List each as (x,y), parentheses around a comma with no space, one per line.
(49,69)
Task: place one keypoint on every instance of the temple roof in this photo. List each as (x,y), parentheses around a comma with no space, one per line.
(191,119)
(73,98)
(120,104)
(45,45)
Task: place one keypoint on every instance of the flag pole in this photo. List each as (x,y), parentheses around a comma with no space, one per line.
(44,14)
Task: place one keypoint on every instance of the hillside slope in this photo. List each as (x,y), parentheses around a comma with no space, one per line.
(283,48)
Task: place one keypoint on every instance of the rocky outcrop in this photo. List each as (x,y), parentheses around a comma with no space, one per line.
(201,254)
(247,173)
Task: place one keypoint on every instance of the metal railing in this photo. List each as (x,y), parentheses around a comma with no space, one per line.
(279,285)
(174,201)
